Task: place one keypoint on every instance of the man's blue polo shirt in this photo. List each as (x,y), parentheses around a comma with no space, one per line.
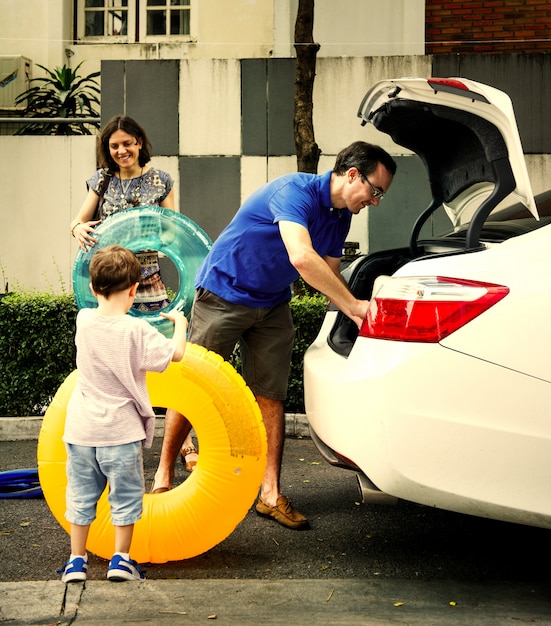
(248,264)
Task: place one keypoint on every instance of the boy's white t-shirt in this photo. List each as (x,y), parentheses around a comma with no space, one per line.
(110,404)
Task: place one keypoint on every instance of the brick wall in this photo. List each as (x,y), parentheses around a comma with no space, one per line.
(498,26)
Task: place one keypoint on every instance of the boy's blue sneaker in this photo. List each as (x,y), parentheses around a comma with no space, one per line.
(120,570)
(74,571)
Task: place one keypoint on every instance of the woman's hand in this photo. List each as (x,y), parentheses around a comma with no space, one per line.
(84,234)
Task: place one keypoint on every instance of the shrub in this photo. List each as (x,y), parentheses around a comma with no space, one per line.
(37,349)
(62,93)
(308,312)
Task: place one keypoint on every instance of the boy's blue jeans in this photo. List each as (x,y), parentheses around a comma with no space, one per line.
(90,469)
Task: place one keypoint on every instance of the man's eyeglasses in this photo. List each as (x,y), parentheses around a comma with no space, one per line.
(375,193)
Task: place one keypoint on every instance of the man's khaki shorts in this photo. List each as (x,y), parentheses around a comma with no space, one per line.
(265,336)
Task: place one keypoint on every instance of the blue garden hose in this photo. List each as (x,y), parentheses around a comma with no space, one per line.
(22,483)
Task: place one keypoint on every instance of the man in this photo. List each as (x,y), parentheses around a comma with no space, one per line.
(293,226)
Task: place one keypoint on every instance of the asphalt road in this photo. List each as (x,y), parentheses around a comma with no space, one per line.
(357,565)
(346,540)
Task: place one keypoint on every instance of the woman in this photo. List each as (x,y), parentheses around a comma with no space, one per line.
(125,179)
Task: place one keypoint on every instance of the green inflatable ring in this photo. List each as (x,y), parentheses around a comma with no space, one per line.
(143,228)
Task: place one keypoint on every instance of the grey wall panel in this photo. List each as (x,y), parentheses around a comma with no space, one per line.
(526,78)
(254,109)
(281,102)
(390,223)
(152,99)
(112,89)
(267,105)
(210,191)
(148,92)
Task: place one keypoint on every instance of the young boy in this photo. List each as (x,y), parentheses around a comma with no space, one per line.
(109,415)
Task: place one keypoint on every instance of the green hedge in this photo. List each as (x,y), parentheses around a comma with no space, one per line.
(308,313)
(37,349)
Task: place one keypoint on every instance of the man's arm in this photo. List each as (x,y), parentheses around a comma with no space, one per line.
(322,274)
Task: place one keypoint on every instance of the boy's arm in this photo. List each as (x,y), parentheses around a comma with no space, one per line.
(179,336)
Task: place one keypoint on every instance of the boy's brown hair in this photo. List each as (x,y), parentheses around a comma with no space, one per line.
(114,268)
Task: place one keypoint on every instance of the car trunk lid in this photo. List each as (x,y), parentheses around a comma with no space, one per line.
(466,135)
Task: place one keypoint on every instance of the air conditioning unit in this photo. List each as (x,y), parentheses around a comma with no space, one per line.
(15,74)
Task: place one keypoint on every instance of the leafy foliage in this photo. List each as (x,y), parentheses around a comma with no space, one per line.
(37,349)
(62,93)
(308,313)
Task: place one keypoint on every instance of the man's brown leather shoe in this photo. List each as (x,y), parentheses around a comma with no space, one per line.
(283,513)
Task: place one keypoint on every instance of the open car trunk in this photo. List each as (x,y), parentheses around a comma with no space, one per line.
(466,135)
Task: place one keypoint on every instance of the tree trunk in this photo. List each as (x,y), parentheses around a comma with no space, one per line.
(307,149)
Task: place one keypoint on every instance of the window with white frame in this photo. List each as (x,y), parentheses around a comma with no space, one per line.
(167,17)
(130,21)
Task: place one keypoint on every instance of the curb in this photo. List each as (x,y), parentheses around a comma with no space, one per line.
(28,428)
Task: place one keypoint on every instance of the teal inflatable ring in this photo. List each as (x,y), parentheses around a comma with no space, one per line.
(142,228)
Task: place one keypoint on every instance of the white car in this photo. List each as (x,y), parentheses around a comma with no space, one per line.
(443,398)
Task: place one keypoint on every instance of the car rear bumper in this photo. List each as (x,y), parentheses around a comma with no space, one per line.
(452,432)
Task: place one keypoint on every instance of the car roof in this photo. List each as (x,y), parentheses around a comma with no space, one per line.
(465,133)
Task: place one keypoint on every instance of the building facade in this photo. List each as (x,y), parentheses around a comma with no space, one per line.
(213,83)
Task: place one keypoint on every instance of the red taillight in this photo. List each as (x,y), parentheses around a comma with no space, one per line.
(455,87)
(427,309)
(447,82)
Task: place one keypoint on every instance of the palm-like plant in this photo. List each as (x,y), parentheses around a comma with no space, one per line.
(62,93)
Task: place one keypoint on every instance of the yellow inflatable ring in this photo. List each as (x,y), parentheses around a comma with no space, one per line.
(202,511)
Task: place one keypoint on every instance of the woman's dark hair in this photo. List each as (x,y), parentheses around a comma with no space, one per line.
(365,157)
(130,126)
